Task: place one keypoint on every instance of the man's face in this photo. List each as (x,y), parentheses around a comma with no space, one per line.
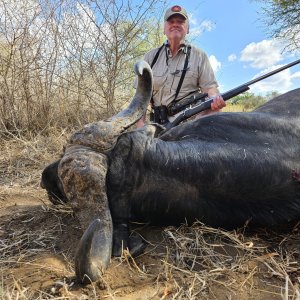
(176,27)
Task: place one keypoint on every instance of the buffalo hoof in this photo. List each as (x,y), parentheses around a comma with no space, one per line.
(93,252)
(134,244)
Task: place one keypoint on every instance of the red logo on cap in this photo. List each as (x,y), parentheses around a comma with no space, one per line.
(176,8)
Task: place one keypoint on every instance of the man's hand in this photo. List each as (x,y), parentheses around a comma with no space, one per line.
(218,103)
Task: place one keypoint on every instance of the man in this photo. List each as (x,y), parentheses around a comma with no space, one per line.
(174,58)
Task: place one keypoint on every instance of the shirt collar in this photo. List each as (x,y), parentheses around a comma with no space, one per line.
(181,49)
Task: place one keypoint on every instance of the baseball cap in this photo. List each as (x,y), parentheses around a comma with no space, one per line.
(175,10)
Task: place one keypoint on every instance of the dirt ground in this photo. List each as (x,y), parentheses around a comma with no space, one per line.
(38,241)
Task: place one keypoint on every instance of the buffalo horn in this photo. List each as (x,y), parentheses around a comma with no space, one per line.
(101,136)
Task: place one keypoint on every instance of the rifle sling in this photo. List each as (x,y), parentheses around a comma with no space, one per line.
(156,55)
(152,64)
(187,56)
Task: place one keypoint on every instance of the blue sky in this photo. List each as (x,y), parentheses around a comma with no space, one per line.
(236,41)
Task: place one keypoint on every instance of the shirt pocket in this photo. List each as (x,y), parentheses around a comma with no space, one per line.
(190,82)
(159,79)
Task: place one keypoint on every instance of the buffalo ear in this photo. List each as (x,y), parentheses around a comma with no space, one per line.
(52,184)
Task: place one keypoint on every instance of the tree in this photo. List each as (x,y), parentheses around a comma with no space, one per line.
(250,101)
(70,62)
(282,18)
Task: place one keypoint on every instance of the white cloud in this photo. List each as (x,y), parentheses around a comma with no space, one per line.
(232,57)
(266,55)
(262,54)
(192,20)
(216,65)
(295,75)
(198,29)
(280,82)
(207,25)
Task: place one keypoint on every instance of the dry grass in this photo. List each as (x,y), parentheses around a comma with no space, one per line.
(234,108)
(201,257)
(23,159)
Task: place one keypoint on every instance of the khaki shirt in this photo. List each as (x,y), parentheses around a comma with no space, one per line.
(167,72)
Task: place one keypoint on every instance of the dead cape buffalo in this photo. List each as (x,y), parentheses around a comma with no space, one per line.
(222,169)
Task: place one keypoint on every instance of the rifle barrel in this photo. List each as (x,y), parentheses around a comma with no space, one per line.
(268,74)
(226,96)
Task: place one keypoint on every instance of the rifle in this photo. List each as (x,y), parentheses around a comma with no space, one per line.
(199,102)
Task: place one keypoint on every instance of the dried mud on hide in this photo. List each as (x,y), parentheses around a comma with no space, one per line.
(38,242)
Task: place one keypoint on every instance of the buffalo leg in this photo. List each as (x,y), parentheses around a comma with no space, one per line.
(122,238)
